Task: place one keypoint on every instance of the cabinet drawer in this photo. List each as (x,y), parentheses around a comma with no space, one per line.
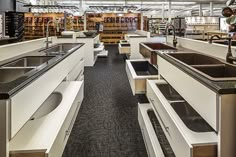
(77,71)
(150,139)
(179,145)
(124,50)
(64,133)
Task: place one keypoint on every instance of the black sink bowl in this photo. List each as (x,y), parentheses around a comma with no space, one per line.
(194,58)
(125,45)
(169,92)
(190,117)
(218,72)
(144,68)
(159,46)
(96,46)
(88,34)
(225,42)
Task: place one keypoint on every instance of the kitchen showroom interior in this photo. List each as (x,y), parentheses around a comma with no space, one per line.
(109,78)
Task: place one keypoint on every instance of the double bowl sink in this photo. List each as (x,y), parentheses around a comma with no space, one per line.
(184,110)
(26,65)
(209,67)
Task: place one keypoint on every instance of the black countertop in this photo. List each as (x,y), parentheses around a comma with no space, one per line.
(80,37)
(220,87)
(10,88)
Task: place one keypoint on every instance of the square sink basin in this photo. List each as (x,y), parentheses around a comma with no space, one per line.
(194,58)
(190,117)
(159,46)
(60,48)
(144,68)
(225,42)
(221,72)
(11,74)
(29,61)
(169,92)
(148,50)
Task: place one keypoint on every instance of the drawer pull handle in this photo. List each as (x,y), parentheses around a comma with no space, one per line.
(166,127)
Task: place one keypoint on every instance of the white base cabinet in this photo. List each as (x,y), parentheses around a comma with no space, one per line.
(47,136)
(184,142)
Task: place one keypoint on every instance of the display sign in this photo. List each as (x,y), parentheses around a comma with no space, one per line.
(223,25)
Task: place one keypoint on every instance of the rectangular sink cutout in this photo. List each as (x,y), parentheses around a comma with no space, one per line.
(159,46)
(31,61)
(190,117)
(11,74)
(60,48)
(195,58)
(219,72)
(144,68)
(169,92)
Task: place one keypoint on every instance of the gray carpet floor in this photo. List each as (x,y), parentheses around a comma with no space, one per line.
(107,123)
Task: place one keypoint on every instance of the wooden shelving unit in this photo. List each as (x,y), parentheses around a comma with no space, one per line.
(115,26)
(36,25)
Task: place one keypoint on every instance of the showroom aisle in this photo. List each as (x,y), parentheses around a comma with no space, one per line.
(107,124)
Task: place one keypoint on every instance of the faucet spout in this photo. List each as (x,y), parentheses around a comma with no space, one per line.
(174,33)
(47,32)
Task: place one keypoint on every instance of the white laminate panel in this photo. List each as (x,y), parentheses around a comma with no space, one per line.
(11,50)
(131,80)
(215,50)
(28,100)
(49,132)
(134,47)
(201,98)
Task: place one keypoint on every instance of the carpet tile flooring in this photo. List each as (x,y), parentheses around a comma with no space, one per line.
(107,123)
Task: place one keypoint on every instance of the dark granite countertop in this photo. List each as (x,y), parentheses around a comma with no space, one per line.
(220,87)
(80,37)
(8,89)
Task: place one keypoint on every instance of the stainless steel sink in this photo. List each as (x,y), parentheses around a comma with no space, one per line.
(190,117)
(30,61)
(10,74)
(60,49)
(222,72)
(194,58)
(169,92)
(50,104)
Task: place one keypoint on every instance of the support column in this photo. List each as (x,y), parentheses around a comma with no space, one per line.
(200,9)
(211,9)
(141,22)
(169,11)
(163,12)
(85,21)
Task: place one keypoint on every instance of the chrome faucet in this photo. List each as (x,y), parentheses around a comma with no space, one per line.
(174,33)
(47,32)
(229,57)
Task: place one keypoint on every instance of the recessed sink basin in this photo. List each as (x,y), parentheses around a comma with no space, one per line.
(125,45)
(50,104)
(169,92)
(148,50)
(143,68)
(60,48)
(190,117)
(159,46)
(11,74)
(218,72)
(194,58)
(225,42)
(30,61)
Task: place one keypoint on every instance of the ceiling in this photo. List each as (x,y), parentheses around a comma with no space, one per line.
(147,5)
